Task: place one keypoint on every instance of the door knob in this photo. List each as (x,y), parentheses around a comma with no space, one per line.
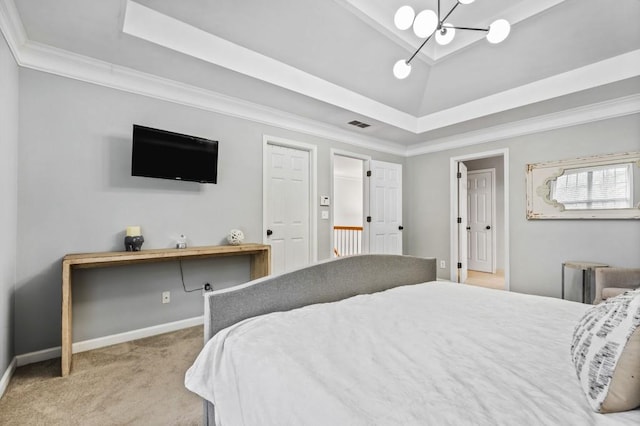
(269,232)
(488,227)
(400,228)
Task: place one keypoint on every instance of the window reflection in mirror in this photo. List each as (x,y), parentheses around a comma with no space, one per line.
(600,187)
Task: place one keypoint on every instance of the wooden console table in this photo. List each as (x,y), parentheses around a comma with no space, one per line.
(260,267)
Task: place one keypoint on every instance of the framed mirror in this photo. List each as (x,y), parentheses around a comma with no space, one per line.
(600,187)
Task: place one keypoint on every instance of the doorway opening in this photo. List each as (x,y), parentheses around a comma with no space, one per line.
(350,200)
(480,238)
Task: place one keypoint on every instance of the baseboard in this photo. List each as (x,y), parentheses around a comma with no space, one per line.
(128,336)
(6,377)
(114,339)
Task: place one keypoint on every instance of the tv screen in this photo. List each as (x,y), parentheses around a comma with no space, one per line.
(167,155)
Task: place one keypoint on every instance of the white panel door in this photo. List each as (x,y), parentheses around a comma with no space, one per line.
(385,230)
(288,208)
(480,202)
(462,222)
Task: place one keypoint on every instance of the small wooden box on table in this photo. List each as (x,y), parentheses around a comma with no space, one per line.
(260,267)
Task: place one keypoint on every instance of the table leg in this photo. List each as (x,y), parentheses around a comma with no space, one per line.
(67,333)
(261,264)
(584,285)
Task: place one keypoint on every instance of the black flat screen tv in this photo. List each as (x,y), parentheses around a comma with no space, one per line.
(167,155)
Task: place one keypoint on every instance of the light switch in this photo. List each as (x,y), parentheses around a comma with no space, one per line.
(325,214)
(324,201)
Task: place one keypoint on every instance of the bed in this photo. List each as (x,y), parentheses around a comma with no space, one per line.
(375,340)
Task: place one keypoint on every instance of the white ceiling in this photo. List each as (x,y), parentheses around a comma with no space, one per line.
(330,61)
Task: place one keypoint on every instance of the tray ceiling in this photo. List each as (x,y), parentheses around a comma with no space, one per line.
(331,61)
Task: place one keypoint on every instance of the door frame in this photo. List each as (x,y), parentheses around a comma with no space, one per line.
(313,188)
(453,199)
(366,159)
(494,245)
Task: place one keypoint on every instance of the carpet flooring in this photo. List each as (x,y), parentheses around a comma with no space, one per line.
(135,383)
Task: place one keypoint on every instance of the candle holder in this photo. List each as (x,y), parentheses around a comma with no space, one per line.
(133,239)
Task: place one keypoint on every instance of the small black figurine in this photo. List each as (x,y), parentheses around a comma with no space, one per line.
(133,243)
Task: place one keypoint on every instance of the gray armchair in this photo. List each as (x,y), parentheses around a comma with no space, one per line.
(611,282)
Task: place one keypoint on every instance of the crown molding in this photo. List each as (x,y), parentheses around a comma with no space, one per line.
(67,64)
(589,76)
(48,59)
(11,27)
(572,117)
(163,30)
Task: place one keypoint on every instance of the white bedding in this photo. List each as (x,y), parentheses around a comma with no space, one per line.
(429,354)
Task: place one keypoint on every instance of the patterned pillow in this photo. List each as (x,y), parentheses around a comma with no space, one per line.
(606,353)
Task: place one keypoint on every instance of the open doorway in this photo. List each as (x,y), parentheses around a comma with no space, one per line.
(350,199)
(479,239)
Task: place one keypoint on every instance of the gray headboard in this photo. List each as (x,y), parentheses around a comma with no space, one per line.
(326,281)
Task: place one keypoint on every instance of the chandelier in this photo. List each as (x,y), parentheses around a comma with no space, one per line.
(427,23)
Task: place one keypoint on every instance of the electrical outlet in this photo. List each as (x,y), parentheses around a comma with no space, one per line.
(443,264)
(166,296)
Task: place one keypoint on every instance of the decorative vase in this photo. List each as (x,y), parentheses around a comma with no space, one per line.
(133,239)
(133,243)
(235,237)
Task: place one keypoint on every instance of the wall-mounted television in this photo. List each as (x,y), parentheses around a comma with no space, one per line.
(167,155)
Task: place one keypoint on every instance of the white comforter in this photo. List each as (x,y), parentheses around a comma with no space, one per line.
(428,354)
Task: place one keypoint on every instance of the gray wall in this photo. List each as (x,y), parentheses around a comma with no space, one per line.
(537,247)
(76,194)
(8,194)
(498,164)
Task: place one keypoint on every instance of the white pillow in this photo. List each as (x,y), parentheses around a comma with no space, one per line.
(605,353)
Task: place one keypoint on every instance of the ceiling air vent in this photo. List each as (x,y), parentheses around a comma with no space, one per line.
(359,124)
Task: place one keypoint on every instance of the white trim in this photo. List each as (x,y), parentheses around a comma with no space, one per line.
(313,175)
(67,64)
(60,62)
(101,342)
(453,226)
(12,28)
(155,27)
(494,246)
(38,356)
(581,115)
(593,75)
(6,377)
(128,336)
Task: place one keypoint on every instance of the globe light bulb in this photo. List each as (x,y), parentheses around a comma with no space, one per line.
(403,18)
(446,34)
(401,69)
(498,31)
(425,23)
(466,1)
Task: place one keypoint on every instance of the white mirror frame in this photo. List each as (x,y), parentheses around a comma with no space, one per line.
(540,175)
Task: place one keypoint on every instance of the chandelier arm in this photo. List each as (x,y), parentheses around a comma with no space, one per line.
(419,48)
(440,22)
(471,29)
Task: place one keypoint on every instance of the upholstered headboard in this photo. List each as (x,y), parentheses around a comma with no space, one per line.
(326,281)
